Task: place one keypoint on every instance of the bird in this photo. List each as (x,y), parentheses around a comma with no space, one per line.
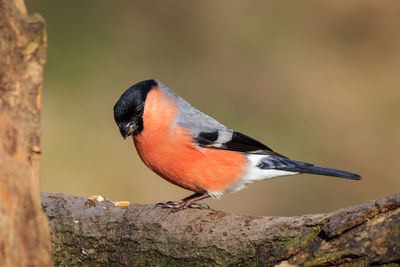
(194,151)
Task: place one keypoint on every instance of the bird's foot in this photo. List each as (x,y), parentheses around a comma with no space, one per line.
(176,206)
(187,202)
(169,204)
(199,206)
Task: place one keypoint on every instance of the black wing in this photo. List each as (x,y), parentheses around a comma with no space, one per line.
(238,142)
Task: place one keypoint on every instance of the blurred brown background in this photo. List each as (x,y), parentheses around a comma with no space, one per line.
(315,81)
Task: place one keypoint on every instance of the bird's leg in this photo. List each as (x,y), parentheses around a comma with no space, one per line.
(190,201)
(187,202)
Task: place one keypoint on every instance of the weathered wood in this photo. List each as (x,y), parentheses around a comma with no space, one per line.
(24,233)
(98,233)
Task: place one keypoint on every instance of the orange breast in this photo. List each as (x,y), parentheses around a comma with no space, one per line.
(170,152)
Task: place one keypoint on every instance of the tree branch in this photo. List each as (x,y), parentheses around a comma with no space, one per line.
(100,233)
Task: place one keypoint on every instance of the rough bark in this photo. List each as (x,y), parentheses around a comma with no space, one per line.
(24,233)
(88,232)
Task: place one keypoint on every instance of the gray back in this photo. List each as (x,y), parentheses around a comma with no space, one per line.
(193,119)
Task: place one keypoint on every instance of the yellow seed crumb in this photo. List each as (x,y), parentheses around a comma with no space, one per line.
(100,198)
(121,203)
(93,198)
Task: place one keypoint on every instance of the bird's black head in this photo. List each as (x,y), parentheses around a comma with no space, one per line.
(128,110)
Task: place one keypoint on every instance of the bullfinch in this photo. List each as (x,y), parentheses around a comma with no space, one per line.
(192,150)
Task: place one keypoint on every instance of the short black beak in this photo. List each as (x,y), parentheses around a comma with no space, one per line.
(127,129)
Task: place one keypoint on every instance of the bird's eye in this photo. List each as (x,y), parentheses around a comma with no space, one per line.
(139,111)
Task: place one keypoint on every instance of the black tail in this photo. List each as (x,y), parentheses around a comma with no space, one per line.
(285,164)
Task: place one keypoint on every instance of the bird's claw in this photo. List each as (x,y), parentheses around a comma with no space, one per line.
(176,206)
(168,204)
(199,206)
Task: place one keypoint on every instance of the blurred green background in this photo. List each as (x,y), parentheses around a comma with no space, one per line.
(317,81)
